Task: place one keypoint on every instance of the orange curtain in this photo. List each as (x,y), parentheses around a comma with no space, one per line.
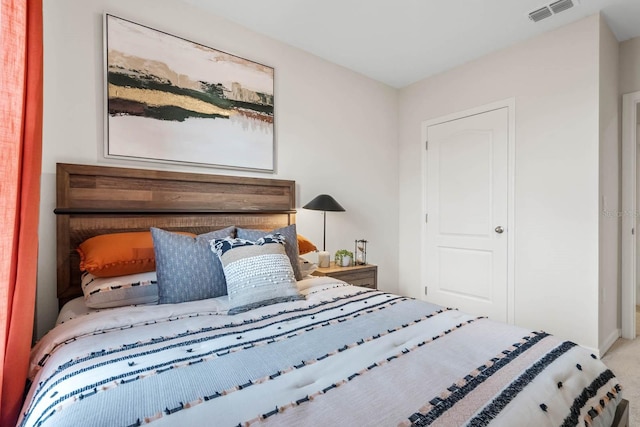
(20,170)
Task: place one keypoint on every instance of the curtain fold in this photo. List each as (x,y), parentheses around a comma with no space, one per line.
(21,55)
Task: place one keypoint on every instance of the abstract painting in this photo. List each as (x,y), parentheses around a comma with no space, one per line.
(173,100)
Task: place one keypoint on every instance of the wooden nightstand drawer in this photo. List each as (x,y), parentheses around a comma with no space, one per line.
(359,275)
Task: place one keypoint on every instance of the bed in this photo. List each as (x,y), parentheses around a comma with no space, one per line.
(336,354)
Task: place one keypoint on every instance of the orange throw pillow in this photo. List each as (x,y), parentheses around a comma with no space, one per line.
(305,246)
(118,254)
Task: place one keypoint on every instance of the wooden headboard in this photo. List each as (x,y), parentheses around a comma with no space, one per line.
(93,200)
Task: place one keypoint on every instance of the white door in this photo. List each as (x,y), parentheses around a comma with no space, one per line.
(467,212)
(629,274)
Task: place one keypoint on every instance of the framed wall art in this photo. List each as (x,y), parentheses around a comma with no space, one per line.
(172,100)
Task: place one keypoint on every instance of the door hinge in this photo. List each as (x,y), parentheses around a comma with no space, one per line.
(426,217)
(426,145)
(633,231)
(425,290)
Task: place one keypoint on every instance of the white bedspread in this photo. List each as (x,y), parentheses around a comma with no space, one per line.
(344,356)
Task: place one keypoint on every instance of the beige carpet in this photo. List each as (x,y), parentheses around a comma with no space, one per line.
(623,358)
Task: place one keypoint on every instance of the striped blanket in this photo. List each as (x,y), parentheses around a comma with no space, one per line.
(343,356)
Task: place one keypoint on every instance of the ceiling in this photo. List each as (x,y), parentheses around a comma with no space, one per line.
(399,42)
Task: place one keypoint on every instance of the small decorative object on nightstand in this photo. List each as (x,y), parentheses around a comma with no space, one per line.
(343,258)
(323,259)
(359,275)
(360,252)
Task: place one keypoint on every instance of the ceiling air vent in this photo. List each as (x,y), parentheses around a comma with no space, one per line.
(540,14)
(561,5)
(551,9)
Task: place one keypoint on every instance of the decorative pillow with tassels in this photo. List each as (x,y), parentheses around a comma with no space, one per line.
(258,273)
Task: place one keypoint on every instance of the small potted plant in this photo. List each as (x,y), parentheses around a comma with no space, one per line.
(343,258)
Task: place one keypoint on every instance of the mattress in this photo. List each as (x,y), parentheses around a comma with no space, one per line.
(343,356)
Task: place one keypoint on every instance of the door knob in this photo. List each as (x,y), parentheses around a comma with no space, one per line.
(499,230)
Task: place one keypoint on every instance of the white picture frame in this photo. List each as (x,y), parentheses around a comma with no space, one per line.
(171,100)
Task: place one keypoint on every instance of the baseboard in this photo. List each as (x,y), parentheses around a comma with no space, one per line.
(611,339)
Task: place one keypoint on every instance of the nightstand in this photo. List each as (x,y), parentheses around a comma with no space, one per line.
(360,275)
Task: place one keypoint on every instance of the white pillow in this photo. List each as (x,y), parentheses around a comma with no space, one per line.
(105,292)
(306,267)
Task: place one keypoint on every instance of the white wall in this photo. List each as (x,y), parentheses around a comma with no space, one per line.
(610,201)
(630,66)
(335,129)
(554,79)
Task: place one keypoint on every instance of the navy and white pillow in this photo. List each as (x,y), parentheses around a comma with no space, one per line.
(291,244)
(187,269)
(257,273)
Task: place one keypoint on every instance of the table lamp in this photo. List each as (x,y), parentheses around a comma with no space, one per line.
(324,203)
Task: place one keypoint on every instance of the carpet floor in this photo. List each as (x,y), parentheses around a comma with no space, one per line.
(623,358)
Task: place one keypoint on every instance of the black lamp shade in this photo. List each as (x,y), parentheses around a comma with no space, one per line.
(324,202)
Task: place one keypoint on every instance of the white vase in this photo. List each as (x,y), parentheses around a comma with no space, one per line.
(346,261)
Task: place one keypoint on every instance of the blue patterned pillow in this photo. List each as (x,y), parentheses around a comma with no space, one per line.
(258,273)
(187,269)
(291,243)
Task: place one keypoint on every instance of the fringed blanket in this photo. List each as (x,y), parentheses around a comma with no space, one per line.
(343,356)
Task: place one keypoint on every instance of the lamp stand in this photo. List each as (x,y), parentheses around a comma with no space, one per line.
(324,231)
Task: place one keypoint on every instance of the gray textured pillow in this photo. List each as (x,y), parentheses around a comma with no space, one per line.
(187,269)
(258,273)
(290,245)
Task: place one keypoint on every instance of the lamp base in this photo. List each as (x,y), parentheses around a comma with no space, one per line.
(324,259)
